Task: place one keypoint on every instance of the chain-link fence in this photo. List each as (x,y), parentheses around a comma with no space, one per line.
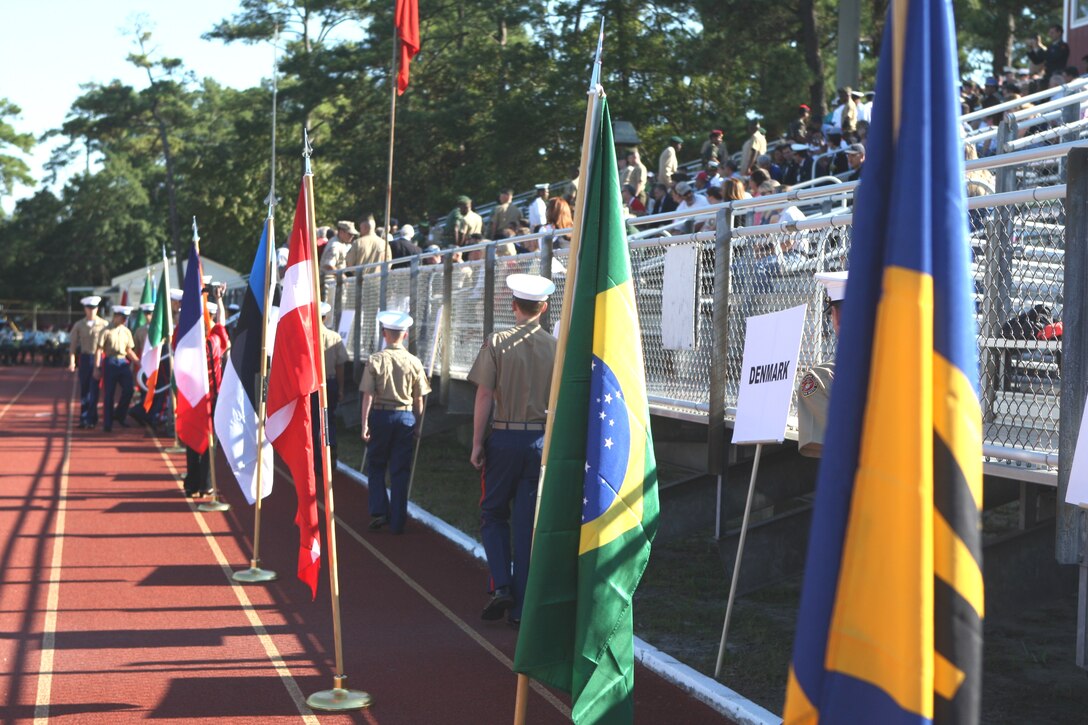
(1017,248)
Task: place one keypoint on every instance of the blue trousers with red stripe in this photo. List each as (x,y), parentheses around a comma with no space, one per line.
(511,472)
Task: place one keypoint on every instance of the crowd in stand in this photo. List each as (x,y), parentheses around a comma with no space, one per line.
(811,149)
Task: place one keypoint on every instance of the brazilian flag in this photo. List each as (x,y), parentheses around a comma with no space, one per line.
(598,501)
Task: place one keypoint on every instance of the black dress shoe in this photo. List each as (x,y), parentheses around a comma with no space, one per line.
(377,522)
(514,622)
(499,603)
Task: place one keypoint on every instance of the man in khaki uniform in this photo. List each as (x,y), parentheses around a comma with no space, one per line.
(513,375)
(504,214)
(393,387)
(335,255)
(465,222)
(118,350)
(368,247)
(753,148)
(814,391)
(669,161)
(84,342)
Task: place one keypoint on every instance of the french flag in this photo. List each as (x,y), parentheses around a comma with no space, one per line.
(194,415)
(294,376)
(239,394)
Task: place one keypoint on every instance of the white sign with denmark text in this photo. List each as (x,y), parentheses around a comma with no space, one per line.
(772,344)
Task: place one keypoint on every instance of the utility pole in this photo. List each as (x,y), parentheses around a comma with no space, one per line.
(846,70)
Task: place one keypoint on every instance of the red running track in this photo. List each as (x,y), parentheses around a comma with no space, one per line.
(116,602)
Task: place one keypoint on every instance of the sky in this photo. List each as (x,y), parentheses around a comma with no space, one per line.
(54,46)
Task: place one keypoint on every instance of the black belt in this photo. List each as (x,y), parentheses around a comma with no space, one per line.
(389,406)
(508,425)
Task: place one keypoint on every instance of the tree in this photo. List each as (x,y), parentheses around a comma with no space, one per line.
(12,168)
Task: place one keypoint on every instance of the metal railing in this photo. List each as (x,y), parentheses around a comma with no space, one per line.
(1018,244)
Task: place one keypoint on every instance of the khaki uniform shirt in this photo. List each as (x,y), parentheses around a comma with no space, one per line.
(335,256)
(139,337)
(517,364)
(471,223)
(335,352)
(813,396)
(667,164)
(753,148)
(367,250)
(117,341)
(636,177)
(501,217)
(395,376)
(85,336)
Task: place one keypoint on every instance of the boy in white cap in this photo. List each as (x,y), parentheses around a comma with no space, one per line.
(393,387)
(814,391)
(513,375)
(118,349)
(84,341)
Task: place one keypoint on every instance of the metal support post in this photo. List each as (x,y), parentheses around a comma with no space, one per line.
(489,290)
(717,443)
(446,322)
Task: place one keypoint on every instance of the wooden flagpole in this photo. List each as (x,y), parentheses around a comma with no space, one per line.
(339,697)
(176,448)
(592,126)
(255,574)
(392,135)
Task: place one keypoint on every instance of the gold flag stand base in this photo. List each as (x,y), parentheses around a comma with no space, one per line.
(254,575)
(214,505)
(339,698)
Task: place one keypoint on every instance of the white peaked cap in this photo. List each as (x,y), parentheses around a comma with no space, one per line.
(91,301)
(393,320)
(542,187)
(206,279)
(122,310)
(531,287)
(148,307)
(212,308)
(835,282)
(176,294)
(325,308)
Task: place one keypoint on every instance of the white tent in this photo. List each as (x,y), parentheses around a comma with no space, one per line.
(133,281)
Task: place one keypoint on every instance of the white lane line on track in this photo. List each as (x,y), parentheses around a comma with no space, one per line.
(446,611)
(247,607)
(52,597)
(4,410)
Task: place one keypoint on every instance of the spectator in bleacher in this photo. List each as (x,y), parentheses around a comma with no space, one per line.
(855,157)
(713,174)
(733,190)
(462,222)
(402,246)
(757,177)
(865,110)
(980,182)
(504,214)
(660,199)
(669,161)
(767,163)
(730,169)
(368,247)
(798,127)
(754,145)
(558,216)
(538,210)
(636,173)
(432,254)
(570,193)
(714,148)
(845,115)
(1053,57)
(687,200)
(632,205)
(335,254)
(700,183)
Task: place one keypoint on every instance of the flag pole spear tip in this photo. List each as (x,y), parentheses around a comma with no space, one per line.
(196,235)
(307,150)
(595,78)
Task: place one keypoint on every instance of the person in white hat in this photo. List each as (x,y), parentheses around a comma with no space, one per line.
(393,385)
(336,356)
(538,210)
(513,375)
(814,391)
(118,350)
(83,347)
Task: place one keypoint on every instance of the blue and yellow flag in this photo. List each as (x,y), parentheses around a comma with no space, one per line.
(890,627)
(598,499)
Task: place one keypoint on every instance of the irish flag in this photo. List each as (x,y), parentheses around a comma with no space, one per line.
(151,355)
(194,415)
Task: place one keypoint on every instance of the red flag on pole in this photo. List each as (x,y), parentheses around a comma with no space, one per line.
(294,375)
(407,22)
